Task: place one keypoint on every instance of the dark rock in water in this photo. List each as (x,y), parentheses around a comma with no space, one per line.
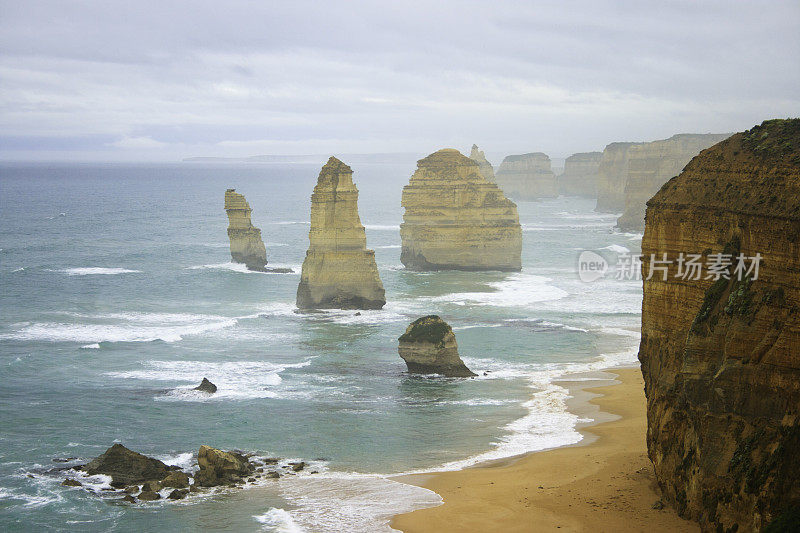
(132,489)
(152,486)
(271,461)
(63,459)
(72,483)
(297,467)
(149,496)
(219,467)
(178,480)
(357,314)
(128,498)
(177,494)
(126,467)
(429,347)
(206,386)
(272,475)
(251,480)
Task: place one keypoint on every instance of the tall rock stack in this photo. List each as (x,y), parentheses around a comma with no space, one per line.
(527,177)
(456,220)
(246,244)
(487,171)
(721,358)
(611,177)
(338,271)
(651,165)
(580,175)
(429,347)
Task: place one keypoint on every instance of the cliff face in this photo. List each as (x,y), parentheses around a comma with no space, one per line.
(651,164)
(611,177)
(487,171)
(527,177)
(721,359)
(246,244)
(338,271)
(455,220)
(429,347)
(580,175)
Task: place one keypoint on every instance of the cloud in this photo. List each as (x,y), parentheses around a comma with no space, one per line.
(138,143)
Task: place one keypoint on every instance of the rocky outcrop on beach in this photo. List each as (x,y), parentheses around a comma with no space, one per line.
(126,467)
(721,357)
(527,177)
(218,467)
(651,164)
(487,171)
(429,347)
(339,272)
(611,177)
(580,175)
(246,244)
(456,220)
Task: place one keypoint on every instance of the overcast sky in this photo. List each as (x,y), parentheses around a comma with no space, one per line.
(162,80)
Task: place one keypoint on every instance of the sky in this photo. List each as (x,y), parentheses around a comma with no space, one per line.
(168,79)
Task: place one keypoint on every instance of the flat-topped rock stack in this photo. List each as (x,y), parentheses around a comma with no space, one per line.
(246,244)
(487,171)
(527,177)
(651,165)
(580,175)
(338,271)
(456,220)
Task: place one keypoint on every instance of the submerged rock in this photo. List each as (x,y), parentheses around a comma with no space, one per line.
(721,358)
(580,175)
(487,171)
(456,220)
(218,467)
(126,467)
(206,386)
(246,244)
(527,177)
(339,272)
(69,482)
(429,347)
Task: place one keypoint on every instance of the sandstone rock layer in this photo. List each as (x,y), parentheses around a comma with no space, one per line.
(651,164)
(580,175)
(456,220)
(527,177)
(246,244)
(429,347)
(338,271)
(721,359)
(487,171)
(611,177)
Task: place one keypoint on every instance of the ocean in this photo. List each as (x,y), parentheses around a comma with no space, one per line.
(118,296)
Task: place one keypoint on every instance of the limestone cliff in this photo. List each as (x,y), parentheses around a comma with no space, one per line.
(338,271)
(527,177)
(721,359)
(580,175)
(651,164)
(456,220)
(487,171)
(246,244)
(429,347)
(611,177)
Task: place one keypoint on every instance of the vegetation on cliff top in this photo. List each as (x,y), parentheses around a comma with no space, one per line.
(777,138)
(429,328)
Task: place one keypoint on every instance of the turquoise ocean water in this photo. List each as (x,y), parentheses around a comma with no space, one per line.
(118,296)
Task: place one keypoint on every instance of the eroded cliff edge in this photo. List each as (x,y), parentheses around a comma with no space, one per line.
(721,359)
(339,272)
(456,220)
(246,244)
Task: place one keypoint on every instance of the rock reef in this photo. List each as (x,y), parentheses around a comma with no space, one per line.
(580,175)
(246,244)
(651,164)
(338,271)
(527,177)
(721,358)
(487,171)
(456,220)
(429,347)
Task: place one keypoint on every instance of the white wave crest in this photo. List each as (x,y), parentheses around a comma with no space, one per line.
(92,271)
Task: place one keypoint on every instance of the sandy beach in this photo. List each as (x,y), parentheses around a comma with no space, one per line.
(605,483)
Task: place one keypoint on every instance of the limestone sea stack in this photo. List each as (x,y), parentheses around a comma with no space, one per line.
(721,357)
(611,177)
(456,220)
(487,171)
(246,244)
(338,271)
(580,175)
(651,164)
(527,177)
(429,347)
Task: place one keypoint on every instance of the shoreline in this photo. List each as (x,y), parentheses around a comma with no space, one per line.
(604,482)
